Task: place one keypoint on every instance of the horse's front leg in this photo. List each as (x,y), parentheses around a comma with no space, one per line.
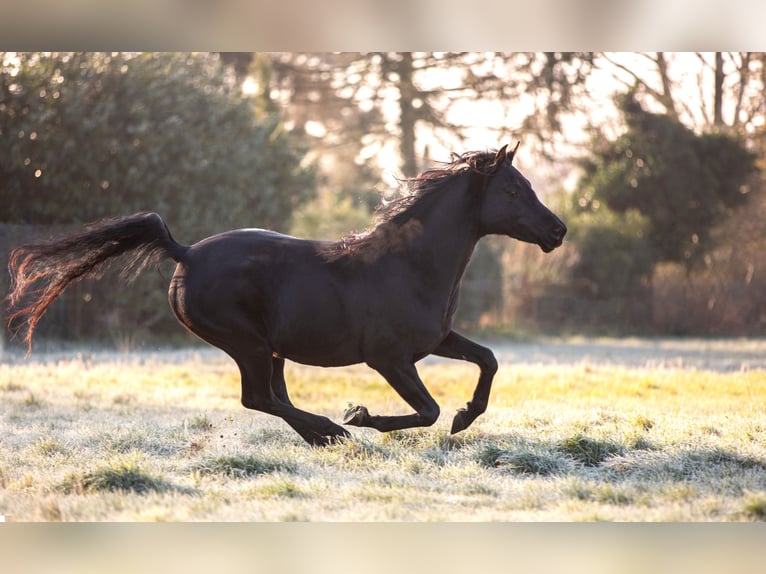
(455,346)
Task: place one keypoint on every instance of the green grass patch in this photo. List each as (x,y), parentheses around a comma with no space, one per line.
(51,447)
(120,475)
(242,466)
(590,451)
(32,402)
(533,461)
(12,386)
(280,487)
(200,423)
(578,488)
(522,457)
(754,506)
(487,454)
(618,494)
(643,422)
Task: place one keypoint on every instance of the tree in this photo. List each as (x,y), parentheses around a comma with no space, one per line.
(655,194)
(683,183)
(91,135)
(100,134)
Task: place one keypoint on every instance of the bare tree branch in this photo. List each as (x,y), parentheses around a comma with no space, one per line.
(638,79)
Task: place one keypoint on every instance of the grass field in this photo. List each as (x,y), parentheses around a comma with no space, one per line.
(135,438)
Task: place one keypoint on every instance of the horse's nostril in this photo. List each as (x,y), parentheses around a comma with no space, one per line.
(559,231)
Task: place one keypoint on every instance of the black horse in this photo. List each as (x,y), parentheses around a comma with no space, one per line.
(385,297)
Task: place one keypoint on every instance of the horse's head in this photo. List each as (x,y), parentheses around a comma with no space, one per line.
(510,206)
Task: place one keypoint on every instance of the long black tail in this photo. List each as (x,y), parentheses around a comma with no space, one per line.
(40,272)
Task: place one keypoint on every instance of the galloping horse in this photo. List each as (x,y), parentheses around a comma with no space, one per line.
(385,297)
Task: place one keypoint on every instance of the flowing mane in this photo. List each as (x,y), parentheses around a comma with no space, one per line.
(396,220)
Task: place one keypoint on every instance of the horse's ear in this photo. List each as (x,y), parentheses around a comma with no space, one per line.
(500,156)
(512,153)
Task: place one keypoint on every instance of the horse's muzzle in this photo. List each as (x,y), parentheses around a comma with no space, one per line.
(555,237)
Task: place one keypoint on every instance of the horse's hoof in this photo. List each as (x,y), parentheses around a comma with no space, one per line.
(462,421)
(319,441)
(330,439)
(355,415)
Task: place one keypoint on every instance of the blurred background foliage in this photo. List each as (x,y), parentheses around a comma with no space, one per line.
(94,135)
(654,160)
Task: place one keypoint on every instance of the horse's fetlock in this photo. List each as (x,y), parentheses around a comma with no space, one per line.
(478,407)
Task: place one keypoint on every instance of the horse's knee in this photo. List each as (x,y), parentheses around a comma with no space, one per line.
(487,362)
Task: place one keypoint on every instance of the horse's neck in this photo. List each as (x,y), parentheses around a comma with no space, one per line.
(447,239)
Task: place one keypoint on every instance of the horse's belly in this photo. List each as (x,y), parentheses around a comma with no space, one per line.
(310,344)
(322,360)
(315,331)
(332,336)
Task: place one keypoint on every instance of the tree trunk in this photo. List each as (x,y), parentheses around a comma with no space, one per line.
(718,92)
(407,118)
(667,90)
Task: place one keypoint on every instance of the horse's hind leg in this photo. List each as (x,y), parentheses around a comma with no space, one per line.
(263,385)
(257,370)
(278,384)
(405,380)
(279,388)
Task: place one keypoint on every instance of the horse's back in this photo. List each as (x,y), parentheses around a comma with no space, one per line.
(254,244)
(261,281)
(226,271)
